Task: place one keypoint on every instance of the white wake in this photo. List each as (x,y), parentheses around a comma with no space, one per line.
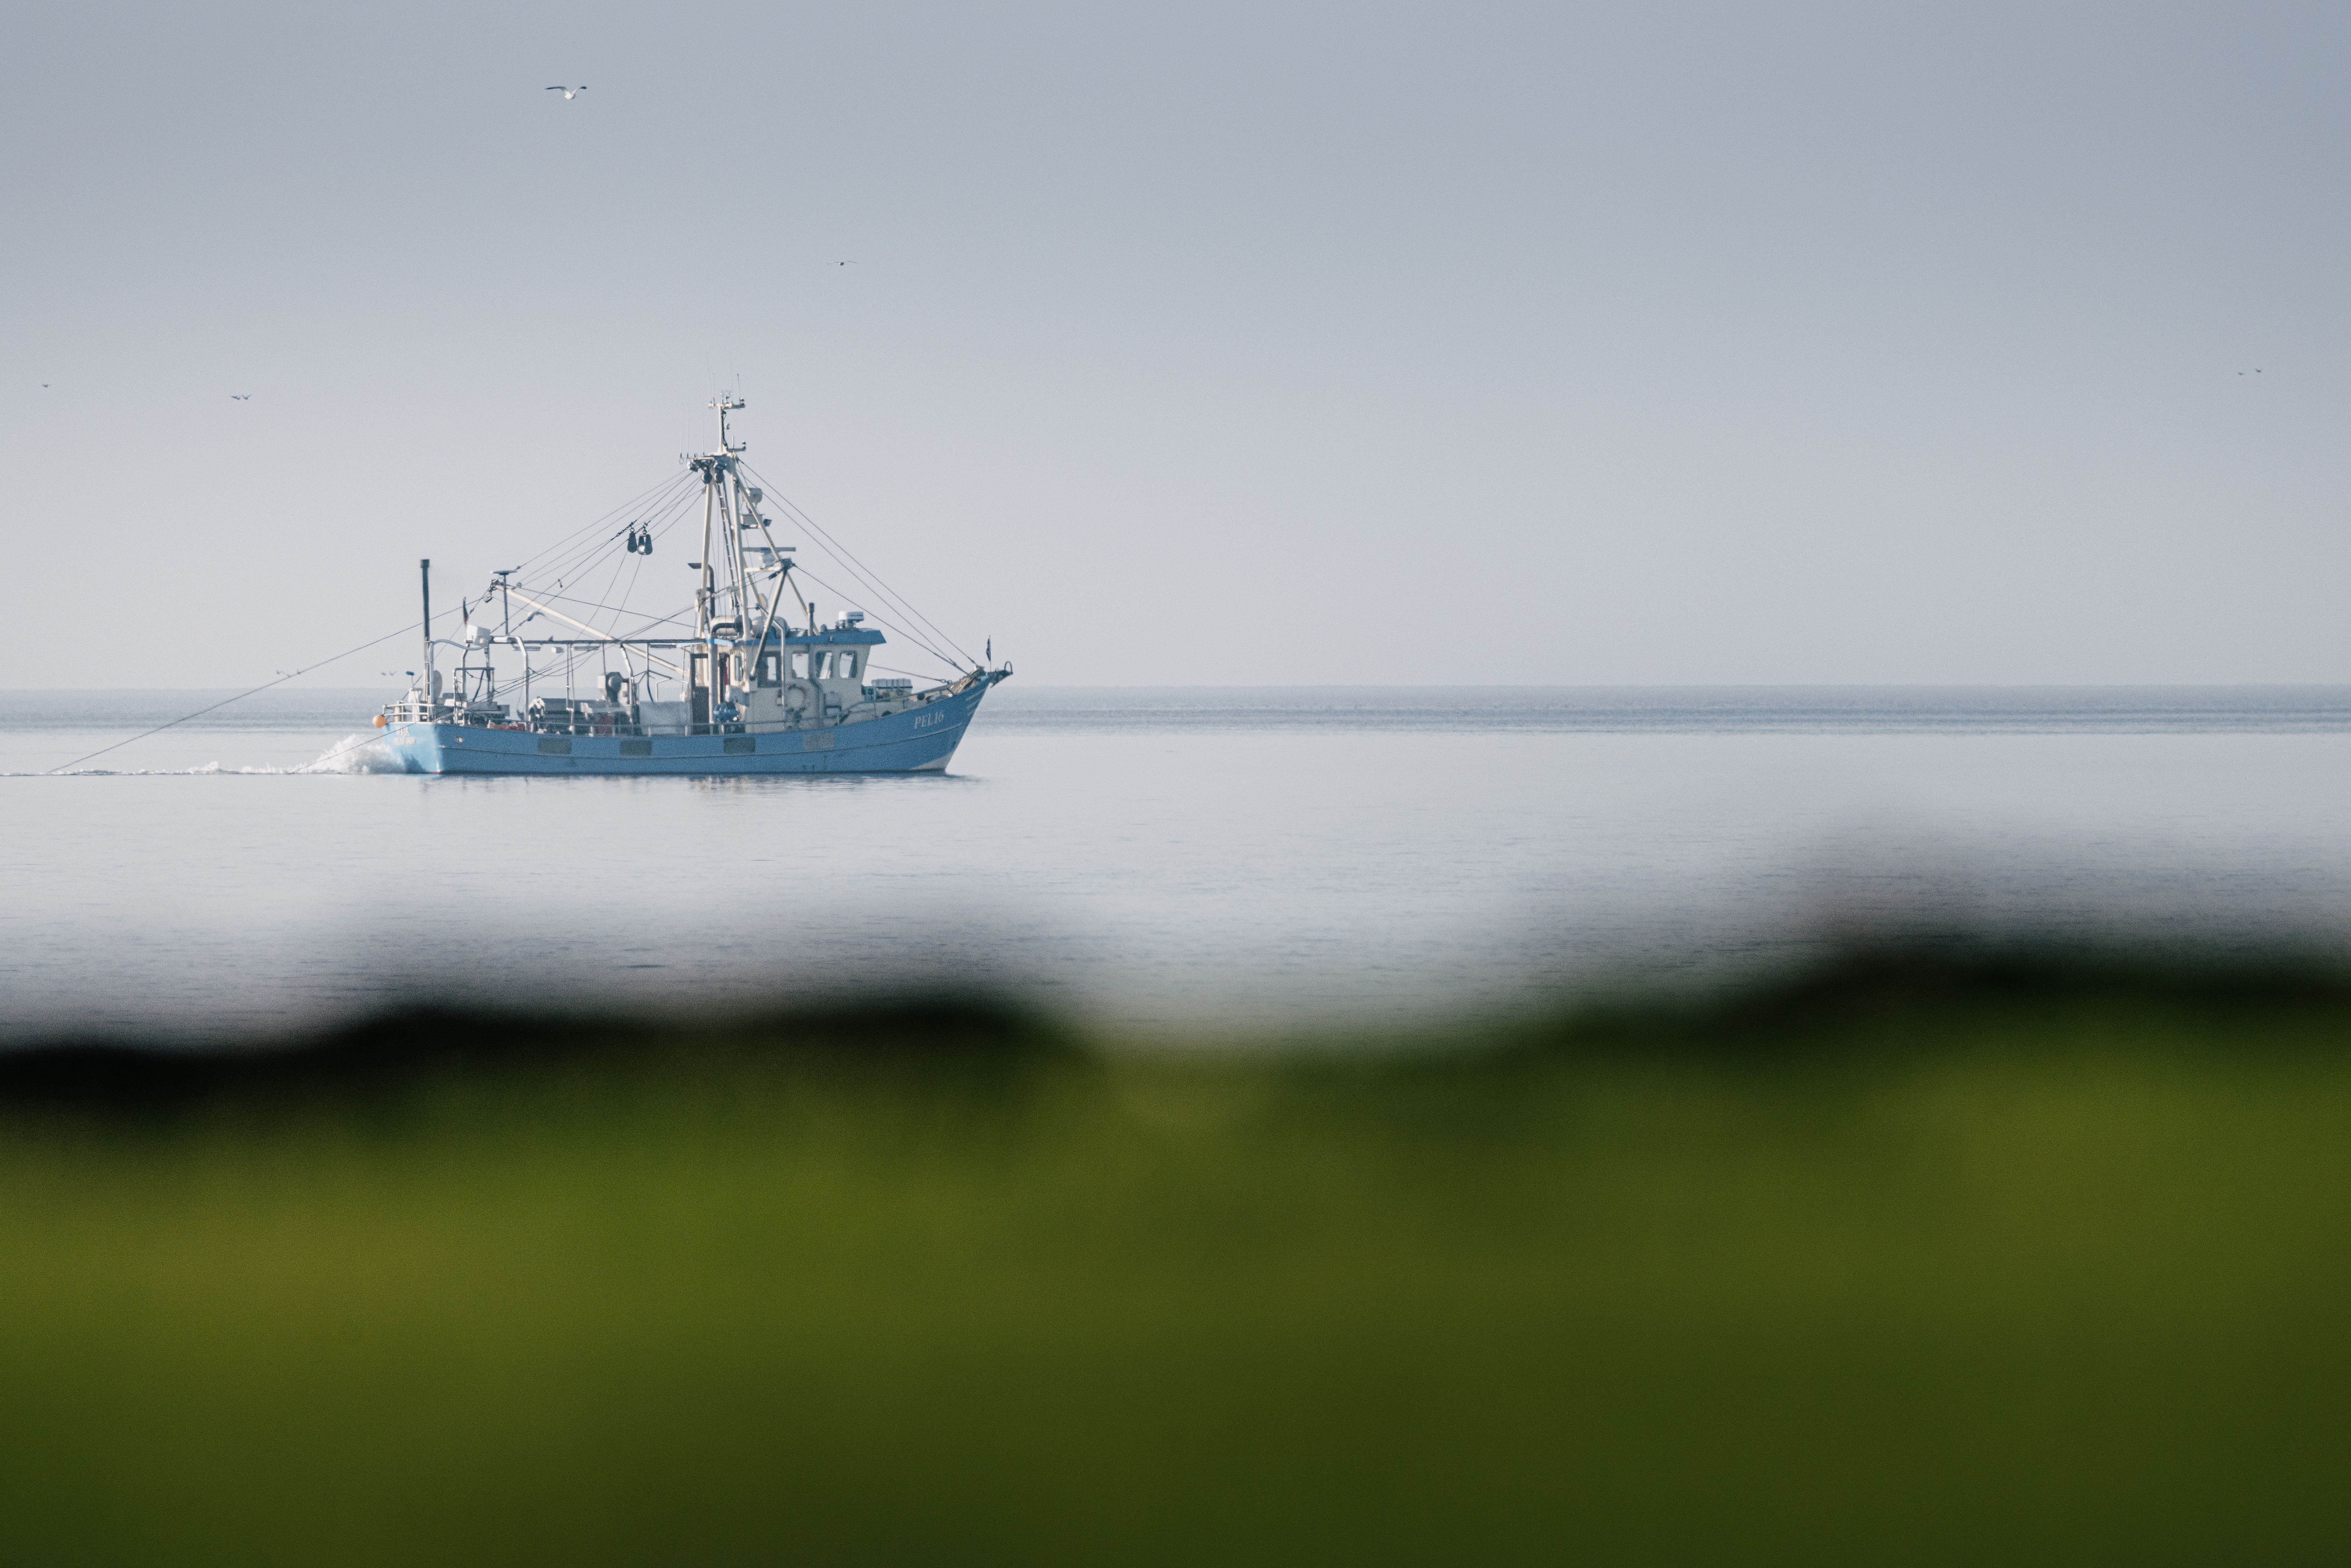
(353,754)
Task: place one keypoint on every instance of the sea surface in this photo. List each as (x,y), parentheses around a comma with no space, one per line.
(1164,863)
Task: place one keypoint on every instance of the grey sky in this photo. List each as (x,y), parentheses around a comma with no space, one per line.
(1237,343)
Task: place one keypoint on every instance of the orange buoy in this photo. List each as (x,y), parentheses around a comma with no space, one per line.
(379,721)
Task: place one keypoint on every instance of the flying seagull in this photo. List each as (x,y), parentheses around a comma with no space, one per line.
(570,93)
(240,397)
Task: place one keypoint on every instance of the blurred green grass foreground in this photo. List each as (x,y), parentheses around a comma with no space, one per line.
(1994,1260)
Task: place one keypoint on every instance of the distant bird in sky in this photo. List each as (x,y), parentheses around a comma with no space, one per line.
(240,397)
(570,93)
(844,264)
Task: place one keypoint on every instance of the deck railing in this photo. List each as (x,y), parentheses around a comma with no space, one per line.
(586,725)
(416,713)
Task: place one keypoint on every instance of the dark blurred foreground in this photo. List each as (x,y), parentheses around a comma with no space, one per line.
(1963,1258)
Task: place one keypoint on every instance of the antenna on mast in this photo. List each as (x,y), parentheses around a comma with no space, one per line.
(726,403)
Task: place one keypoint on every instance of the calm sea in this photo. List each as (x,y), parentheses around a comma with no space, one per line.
(1155,860)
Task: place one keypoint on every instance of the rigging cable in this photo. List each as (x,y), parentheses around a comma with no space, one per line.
(667,508)
(896,602)
(856,568)
(912,638)
(643,501)
(658,519)
(507,685)
(240,696)
(576,556)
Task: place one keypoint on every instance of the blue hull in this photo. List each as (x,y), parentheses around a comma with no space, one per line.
(921,740)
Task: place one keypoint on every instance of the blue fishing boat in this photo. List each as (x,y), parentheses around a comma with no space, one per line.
(745,680)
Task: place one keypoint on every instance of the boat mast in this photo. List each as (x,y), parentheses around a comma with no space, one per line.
(424,570)
(718,516)
(702,593)
(716,469)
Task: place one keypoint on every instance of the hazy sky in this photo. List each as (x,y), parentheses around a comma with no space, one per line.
(1249,343)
